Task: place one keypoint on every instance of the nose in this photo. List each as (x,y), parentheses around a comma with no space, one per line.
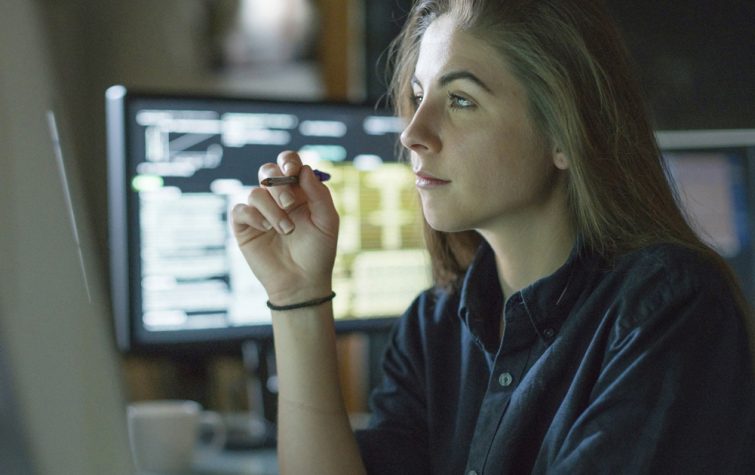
(421,134)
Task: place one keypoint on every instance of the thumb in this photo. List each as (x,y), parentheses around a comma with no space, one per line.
(322,210)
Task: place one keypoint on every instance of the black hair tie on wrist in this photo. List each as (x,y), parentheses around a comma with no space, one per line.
(308,303)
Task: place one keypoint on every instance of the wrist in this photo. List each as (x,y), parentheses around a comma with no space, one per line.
(303,304)
(299,294)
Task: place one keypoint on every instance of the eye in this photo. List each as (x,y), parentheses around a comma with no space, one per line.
(416,99)
(458,102)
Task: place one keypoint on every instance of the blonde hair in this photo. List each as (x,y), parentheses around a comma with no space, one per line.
(586,101)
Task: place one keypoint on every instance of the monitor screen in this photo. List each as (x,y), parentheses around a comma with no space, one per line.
(178,163)
(715,181)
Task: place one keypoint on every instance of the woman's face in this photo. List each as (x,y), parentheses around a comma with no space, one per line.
(479,160)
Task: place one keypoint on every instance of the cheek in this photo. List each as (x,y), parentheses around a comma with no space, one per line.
(509,166)
(489,158)
(479,151)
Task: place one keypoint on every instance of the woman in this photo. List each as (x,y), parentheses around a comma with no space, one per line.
(577,324)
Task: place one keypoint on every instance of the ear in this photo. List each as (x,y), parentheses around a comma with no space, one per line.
(560,159)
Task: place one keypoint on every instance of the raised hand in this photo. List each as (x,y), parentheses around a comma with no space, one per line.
(288,234)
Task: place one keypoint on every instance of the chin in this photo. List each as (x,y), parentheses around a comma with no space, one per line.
(446,225)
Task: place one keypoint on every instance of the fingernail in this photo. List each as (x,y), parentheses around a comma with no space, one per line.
(266,224)
(286,226)
(287,166)
(286,199)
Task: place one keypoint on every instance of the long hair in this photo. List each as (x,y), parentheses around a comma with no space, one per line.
(583,98)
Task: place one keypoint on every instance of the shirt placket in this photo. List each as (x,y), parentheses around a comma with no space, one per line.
(507,372)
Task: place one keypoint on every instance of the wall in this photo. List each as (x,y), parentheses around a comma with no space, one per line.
(694,58)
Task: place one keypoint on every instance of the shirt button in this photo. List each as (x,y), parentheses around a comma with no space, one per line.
(549,333)
(505,379)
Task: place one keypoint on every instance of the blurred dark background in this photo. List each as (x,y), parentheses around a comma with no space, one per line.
(695,59)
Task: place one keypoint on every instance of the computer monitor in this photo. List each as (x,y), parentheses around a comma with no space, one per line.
(714,174)
(177,164)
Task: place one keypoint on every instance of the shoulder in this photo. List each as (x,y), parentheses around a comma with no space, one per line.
(653,279)
(668,269)
(674,306)
(671,260)
(431,317)
(432,307)
(427,325)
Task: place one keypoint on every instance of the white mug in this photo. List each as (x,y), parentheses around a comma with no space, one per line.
(164,434)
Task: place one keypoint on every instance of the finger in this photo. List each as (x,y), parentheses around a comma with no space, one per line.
(247,224)
(284,194)
(322,209)
(263,202)
(289,162)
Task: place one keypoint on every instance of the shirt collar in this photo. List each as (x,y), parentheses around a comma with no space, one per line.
(481,299)
(546,303)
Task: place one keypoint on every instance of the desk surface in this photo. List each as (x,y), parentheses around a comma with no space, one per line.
(236,462)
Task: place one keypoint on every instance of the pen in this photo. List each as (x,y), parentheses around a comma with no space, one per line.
(290,180)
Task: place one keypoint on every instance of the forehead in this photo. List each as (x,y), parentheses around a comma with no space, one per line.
(445,47)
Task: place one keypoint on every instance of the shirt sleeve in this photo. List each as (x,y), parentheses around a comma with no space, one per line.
(675,392)
(396,441)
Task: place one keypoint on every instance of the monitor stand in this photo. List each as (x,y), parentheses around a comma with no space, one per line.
(258,430)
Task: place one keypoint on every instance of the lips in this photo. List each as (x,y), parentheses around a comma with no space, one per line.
(427,180)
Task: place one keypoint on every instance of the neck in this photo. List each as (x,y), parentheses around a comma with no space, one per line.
(529,249)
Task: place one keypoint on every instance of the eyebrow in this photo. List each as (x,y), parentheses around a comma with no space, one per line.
(456,75)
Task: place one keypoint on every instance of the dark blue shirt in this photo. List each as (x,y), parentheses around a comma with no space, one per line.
(638,366)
